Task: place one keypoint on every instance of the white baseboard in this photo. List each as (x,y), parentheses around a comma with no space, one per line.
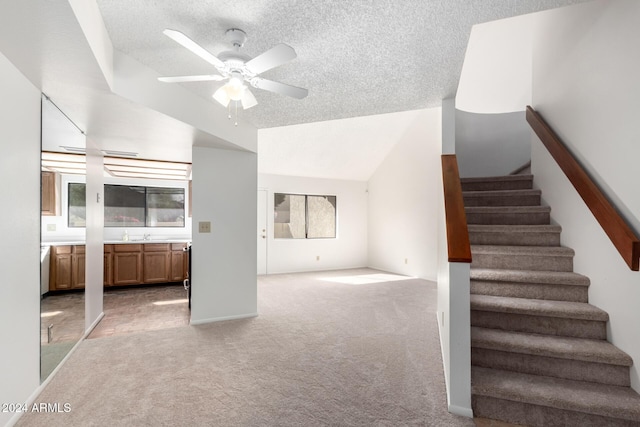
(459,410)
(220,319)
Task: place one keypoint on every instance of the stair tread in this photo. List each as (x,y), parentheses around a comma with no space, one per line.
(591,398)
(538,307)
(506,193)
(529,276)
(497,178)
(507,209)
(583,349)
(522,250)
(516,228)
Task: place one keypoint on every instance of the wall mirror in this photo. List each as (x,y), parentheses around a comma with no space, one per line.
(62,303)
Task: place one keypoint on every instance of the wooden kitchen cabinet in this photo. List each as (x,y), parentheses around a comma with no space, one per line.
(78,272)
(60,268)
(67,268)
(127,264)
(178,262)
(156,263)
(48,186)
(124,264)
(108,265)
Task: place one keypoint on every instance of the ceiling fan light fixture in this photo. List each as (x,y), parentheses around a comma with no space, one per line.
(222,96)
(235,88)
(248,99)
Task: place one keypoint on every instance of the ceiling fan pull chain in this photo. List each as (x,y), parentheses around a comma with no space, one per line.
(237,112)
(229,108)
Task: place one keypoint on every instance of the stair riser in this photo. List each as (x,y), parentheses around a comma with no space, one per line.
(526,184)
(509,218)
(539,416)
(537,262)
(519,200)
(514,238)
(551,367)
(531,290)
(558,326)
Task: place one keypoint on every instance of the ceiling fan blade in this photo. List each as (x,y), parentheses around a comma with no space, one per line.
(275,56)
(248,99)
(202,78)
(281,88)
(194,47)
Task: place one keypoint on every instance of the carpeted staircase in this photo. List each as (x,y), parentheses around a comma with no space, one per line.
(539,352)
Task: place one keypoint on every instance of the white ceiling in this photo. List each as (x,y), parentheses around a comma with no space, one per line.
(357,58)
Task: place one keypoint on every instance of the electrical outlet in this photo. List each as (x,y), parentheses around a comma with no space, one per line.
(51,227)
(317,257)
(204,227)
(406,260)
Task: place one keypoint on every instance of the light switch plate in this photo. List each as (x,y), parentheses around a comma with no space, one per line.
(204,227)
(51,227)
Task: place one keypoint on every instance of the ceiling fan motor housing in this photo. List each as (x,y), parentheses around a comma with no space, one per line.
(237,37)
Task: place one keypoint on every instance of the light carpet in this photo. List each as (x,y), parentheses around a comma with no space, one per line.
(339,348)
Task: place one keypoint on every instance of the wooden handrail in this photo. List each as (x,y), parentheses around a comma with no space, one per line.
(621,235)
(456,219)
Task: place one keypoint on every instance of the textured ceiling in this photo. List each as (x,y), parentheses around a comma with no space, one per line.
(357,58)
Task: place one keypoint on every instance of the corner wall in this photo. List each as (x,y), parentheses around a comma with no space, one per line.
(586,86)
(347,250)
(453,294)
(403,200)
(20,253)
(224,262)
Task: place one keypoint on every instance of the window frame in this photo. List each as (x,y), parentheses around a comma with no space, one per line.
(306,216)
(145,223)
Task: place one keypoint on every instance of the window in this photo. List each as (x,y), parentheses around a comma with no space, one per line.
(304,217)
(131,206)
(77,205)
(124,206)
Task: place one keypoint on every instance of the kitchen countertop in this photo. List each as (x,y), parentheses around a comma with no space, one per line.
(117,242)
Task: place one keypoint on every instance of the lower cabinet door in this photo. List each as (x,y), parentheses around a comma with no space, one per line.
(156,267)
(127,268)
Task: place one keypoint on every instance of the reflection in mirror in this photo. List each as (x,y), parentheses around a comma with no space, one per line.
(62,305)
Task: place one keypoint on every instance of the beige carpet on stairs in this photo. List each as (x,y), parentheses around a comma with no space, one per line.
(343,348)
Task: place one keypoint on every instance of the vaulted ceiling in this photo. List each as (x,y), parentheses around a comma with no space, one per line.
(357,58)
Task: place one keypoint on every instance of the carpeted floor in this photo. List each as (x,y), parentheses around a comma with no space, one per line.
(335,348)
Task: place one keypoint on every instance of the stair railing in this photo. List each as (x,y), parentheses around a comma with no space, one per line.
(458,246)
(620,233)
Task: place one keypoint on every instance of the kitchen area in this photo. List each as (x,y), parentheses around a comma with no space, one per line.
(146,238)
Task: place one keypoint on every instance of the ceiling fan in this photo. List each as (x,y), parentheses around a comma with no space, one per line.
(238,68)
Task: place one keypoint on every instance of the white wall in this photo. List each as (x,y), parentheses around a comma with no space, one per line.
(453,313)
(94,258)
(496,74)
(224,261)
(347,250)
(20,253)
(403,200)
(586,86)
(491,144)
